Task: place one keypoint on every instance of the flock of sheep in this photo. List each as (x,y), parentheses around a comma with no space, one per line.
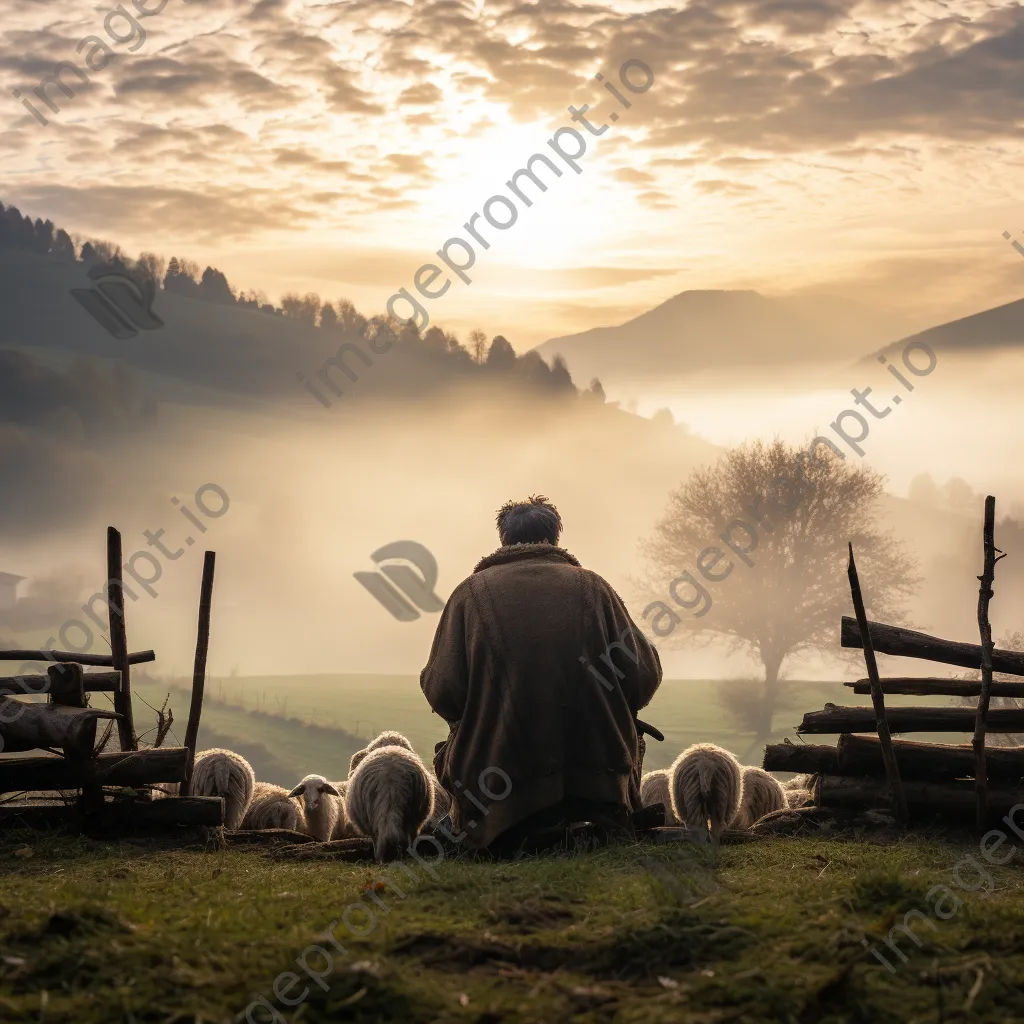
(708,790)
(390,795)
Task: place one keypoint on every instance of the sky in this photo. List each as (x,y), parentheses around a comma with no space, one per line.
(862,149)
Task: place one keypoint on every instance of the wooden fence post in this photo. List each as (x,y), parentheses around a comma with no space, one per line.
(119,641)
(985,595)
(892,769)
(199,673)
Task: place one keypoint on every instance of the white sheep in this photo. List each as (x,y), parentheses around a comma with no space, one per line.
(797,797)
(389,738)
(655,789)
(224,773)
(762,794)
(342,829)
(272,807)
(706,789)
(321,803)
(389,797)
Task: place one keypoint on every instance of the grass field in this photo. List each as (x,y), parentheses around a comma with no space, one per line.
(104,932)
(687,711)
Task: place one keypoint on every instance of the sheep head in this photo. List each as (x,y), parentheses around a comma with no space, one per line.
(312,789)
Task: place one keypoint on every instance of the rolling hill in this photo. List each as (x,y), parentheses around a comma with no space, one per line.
(709,330)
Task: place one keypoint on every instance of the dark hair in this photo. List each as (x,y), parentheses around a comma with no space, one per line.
(529,522)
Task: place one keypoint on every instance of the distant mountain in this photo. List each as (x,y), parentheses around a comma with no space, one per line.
(707,330)
(1001,327)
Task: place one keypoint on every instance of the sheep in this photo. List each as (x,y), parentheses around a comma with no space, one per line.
(321,803)
(654,789)
(797,797)
(389,797)
(342,828)
(272,807)
(762,794)
(389,738)
(706,789)
(224,773)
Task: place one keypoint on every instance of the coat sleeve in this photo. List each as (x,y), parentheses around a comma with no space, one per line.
(445,680)
(635,657)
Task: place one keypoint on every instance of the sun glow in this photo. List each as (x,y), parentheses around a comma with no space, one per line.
(559,227)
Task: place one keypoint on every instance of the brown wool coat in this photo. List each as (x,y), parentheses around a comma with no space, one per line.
(507,672)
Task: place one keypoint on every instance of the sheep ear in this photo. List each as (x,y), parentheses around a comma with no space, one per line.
(297,791)
(328,788)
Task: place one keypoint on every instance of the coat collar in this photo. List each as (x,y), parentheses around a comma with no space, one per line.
(519,552)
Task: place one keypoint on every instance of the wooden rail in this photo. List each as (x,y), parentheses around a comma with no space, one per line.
(923,798)
(123,768)
(908,643)
(87,660)
(937,686)
(93,682)
(836,720)
(861,755)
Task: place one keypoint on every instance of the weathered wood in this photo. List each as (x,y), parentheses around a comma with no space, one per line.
(92,682)
(258,836)
(835,719)
(908,643)
(183,811)
(202,651)
(924,799)
(133,768)
(122,815)
(66,685)
(801,758)
(63,658)
(892,770)
(340,849)
(25,726)
(937,687)
(928,762)
(119,641)
(987,578)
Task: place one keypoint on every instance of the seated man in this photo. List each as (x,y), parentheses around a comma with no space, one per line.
(540,674)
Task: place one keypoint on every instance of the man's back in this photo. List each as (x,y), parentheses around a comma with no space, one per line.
(510,670)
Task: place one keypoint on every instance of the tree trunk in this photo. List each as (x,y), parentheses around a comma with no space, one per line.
(769,698)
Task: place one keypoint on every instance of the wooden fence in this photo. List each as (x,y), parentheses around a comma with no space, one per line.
(61,733)
(916,779)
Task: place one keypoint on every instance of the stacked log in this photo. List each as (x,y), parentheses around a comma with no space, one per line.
(925,762)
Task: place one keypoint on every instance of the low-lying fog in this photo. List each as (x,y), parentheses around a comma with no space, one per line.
(314,492)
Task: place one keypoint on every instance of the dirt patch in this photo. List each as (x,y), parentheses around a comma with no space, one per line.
(633,956)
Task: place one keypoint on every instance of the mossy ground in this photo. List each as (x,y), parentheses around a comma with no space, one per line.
(96,932)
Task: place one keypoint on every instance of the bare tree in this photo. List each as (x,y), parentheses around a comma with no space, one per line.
(153,266)
(753,551)
(349,318)
(477,345)
(304,308)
